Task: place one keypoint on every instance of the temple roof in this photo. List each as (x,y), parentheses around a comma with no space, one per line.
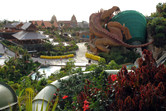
(47,24)
(44,24)
(9,25)
(26,25)
(15,24)
(66,22)
(26,35)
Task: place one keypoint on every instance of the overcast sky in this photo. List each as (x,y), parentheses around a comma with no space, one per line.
(25,10)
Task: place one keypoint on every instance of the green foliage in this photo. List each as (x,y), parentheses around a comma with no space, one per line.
(48,47)
(160,39)
(59,49)
(119,57)
(157,28)
(13,47)
(76,85)
(16,68)
(113,65)
(102,62)
(91,67)
(25,82)
(20,99)
(69,66)
(65,71)
(55,103)
(157,25)
(41,84)
(161,9)
(160,28)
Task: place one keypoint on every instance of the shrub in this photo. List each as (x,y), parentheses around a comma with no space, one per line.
(57,57)
(91,56)
(113,65)
(159,39)
(143,89)
(119,57)
(91,67)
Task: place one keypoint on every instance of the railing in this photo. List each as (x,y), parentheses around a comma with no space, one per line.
(161,60)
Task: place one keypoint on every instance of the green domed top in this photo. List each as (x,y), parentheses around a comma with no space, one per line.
(135,22)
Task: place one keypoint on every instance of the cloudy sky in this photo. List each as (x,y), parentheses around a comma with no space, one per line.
(25,10)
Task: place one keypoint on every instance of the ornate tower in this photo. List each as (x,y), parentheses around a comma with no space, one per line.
(53,19)
(73,21)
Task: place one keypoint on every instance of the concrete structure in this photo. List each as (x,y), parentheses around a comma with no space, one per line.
(8,98)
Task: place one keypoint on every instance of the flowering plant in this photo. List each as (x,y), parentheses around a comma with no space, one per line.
(142,89)
(64,97)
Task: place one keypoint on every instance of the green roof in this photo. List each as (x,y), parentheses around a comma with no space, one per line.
(135,22)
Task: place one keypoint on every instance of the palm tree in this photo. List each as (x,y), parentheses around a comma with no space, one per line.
(48,47)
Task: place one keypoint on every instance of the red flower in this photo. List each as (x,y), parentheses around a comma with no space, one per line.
(113,77)
(86,105)
(54,94)
(86,102)
(65,96)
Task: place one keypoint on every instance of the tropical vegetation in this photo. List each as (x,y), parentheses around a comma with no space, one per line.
(157,25)
(58,50)
(141,89)
(120,56)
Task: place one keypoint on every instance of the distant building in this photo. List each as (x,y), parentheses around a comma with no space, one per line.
(28,37)
(53,19)
(9,29)
(45,24)
(68,24)
(59,24)
(64,24)
(73,21)
(83,24)
(13,26)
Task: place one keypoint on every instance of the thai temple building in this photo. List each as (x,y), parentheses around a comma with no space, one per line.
(68,24)
(9,29)
(73,21)
(53,23)
(29,38)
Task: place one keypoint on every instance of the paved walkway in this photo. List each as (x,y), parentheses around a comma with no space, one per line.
(1,49)
(5,55)
(8,52)
(80,59)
